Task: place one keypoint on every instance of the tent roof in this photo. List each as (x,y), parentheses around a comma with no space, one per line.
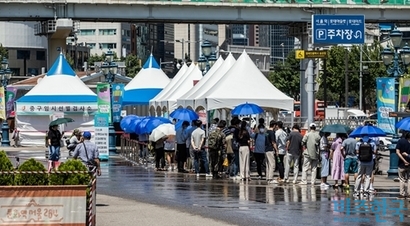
(60,87)
(245,83)
(196,99)
(155,101)
(214,68)
(146,84)
(185,84)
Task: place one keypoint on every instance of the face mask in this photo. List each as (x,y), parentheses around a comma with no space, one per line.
(262,130)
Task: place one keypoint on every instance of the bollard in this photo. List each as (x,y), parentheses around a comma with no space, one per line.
(394,159)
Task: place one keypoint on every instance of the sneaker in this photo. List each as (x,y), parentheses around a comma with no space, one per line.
(324,185)
(356,194)
(401,197)
(286,180)
(303,183)
(273,182)
(259,177)
(366,194)
(208,175)
(169,168)
(294,181)
(197,174)
(371,190)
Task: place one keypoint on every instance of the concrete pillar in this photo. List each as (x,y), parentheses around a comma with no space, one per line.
(304,43)
(310,89)
(55,45)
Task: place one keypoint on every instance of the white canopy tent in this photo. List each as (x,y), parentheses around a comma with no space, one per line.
(197,99)
(245,83)
(154,103)
(191,77)
(183,100)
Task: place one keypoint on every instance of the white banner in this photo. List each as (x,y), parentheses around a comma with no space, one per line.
(101,139)
(56,107)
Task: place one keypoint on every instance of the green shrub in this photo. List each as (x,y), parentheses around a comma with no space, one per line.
(6,165)
(32,179)
(70,178)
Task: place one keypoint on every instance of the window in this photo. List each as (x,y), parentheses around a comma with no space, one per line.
(108,45)
(41,55)
(108,32)
(23,54)
(85,32)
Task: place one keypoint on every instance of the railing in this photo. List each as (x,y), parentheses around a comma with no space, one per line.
(130,149)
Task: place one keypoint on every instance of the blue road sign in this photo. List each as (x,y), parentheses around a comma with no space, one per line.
(338,29)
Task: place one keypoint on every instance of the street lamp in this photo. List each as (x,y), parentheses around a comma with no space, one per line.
(392,60)
(208,58)
(5,75)
(202,63)
(109,69)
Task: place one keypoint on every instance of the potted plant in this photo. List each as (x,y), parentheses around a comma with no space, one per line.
(6,165)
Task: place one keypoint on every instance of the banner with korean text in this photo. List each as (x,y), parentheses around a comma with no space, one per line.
(385,104)
(104,99)
(10,98)
(404,93)
(101,136)
(2,104)
(117,91)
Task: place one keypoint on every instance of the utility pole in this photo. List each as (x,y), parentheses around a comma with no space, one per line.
(361,79)
(346,77)
(324,83)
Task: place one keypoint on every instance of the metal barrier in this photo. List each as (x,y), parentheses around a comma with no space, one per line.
(130,149)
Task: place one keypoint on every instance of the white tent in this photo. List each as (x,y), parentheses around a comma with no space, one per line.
(59,94)
(183,100)
(154,103)
(198,99)
(245,83)
(149,81)
(186,83)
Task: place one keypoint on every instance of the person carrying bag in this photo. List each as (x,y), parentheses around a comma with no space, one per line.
(91,160)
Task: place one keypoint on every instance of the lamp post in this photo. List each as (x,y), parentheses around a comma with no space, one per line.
(208,58)
(395,60)
(109,69)
(5,75)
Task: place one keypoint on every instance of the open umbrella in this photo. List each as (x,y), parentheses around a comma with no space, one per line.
(125,122)
(404,124)
(247,109)
(162,131)
(184,114)
(178,125)
(154,123)
(370,131)
(130,128)
(60,121)
(335,128)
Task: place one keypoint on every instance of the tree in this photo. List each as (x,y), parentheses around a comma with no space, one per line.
(3,52)
(70,61)
(286,77)
(133,65)
(96,58)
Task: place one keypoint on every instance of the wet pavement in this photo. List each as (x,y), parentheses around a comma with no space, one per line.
(247,203)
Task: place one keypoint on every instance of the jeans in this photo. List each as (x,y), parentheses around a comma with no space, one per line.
(365,170)
(236,162)
(54,152)
(280,166)
(201,155)
(232,166)
(259,158)
(143,151)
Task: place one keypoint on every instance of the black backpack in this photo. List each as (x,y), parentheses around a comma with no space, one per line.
(365,152)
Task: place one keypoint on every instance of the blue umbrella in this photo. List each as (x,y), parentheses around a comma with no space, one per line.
(132,125)
(154,123)
(184,114)
(370,131)
(247,109)
(126,121)
(140,126)
(404,124)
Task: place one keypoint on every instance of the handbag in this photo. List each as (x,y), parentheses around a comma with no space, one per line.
(90,162)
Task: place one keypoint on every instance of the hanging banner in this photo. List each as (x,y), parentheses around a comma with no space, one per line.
(2,104)
(10,98)
(404,93)
(117,91)
(101,136)
(104,100)
(385,104)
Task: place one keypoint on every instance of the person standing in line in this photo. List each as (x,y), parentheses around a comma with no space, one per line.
(325,161)
(235,147)
(244,151)
(294,150)
(311,154)
(271,152)
(169,149)
(365,150)
(86,151)
(197,144)
(54,138)
(281,137)
(190,151)
(337,160)
(182,152)
(159,155)
(214,125)
(216,143)
(351,165)
(261,142)
(403,152)
(143,144)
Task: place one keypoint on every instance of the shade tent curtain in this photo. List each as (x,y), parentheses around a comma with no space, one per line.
(245,83)
(187,82)
(149,81)
(183,100)
(155,102)
(59,94)
(197,99)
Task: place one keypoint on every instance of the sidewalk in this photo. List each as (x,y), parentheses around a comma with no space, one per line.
(117,211)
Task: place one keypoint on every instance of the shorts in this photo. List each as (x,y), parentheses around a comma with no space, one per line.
(169,151)
(351,165)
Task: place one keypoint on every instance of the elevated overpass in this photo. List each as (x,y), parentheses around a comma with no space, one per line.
(202,11)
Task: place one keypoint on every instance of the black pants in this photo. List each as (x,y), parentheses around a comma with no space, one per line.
(214,161)
(182,155)
(159,156)
(259,158)
(281,166)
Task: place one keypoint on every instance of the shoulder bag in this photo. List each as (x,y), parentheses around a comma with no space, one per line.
(90,162)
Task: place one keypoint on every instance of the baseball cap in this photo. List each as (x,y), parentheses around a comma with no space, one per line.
(312,125)
(86,134)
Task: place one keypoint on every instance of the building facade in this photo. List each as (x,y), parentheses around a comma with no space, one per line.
(276,37)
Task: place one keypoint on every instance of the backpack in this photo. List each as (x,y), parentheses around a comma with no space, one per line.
(365,152)
(215,140)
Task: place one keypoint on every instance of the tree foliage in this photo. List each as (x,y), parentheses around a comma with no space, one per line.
(133,65)
(6,165)
(71,178)
(32,179)
(285,77)
(3,52)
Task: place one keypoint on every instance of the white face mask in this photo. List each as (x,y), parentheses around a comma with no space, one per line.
(262,130)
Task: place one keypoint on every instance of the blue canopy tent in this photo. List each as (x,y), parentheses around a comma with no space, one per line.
(58,94)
